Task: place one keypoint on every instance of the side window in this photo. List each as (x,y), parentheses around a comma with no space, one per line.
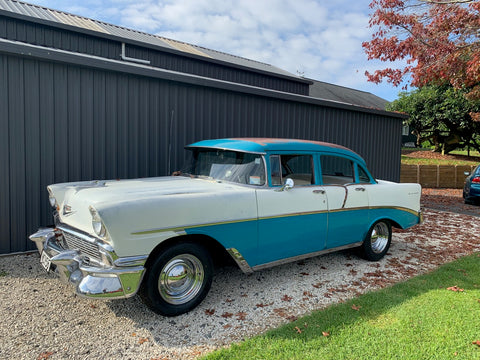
(299,168)
(336,170)
(362,175)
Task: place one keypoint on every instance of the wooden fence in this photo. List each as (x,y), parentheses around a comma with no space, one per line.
(435,176)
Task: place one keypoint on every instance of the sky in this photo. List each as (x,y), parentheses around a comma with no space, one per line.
(320,40)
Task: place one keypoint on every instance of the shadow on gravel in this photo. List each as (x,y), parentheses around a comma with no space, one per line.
(448,200)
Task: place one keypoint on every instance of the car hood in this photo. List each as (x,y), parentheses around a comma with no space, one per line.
(134,199)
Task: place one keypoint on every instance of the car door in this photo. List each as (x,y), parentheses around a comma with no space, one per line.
(291,221)
(347,197)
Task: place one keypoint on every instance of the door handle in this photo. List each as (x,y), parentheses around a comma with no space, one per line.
(360,189)
(319,192)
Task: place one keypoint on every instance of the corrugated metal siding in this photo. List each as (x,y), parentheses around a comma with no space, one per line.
(62,122)
(81,24)
(49,36)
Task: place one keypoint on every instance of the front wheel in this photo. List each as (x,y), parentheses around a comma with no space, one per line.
(377,241)
(178,279)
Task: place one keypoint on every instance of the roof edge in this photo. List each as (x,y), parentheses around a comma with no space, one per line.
(171,50)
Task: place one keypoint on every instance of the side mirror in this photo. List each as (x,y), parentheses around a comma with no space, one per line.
(287,185)
(466,173)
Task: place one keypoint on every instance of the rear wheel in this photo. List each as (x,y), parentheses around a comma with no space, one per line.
(178,279)
(377,241)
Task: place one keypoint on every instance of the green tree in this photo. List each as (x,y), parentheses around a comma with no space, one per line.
(442,115)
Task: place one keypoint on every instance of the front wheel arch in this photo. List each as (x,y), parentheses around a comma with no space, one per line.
(214,248)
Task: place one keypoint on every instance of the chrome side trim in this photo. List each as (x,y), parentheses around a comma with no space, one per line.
(131,261)
(240,260)
(182,230)
(305,256)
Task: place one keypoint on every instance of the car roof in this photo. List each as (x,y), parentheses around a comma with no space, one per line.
(264,145)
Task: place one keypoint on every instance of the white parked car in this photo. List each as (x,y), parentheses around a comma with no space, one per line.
(262,201)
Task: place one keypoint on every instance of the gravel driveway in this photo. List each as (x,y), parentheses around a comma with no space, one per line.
(43,319)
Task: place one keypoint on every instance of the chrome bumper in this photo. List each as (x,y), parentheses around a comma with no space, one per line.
(92,281)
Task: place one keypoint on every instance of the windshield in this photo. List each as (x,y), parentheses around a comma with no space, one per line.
(233,166)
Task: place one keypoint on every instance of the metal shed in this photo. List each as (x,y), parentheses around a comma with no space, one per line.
(72,108)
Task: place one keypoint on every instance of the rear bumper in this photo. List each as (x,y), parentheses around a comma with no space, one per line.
(107,281)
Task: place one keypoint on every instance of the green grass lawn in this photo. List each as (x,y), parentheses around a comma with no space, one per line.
(422,161)
(418,319)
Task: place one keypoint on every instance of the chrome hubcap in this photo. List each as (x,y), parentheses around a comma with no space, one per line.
(379,237)
(181,279)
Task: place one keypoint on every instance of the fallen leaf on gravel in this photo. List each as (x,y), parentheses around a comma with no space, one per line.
(304,274)
(227,315)
(325,333)
(292,318)
(241,315)
(261,305)
(455,288)
(355,307)
(44,355)
(228,326)
(210,312)
(229,300)
(297,329)
(286,298)
(142,340)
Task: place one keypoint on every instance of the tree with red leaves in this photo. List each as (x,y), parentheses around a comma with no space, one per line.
(437,41)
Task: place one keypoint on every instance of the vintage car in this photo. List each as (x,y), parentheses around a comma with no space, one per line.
(262,201)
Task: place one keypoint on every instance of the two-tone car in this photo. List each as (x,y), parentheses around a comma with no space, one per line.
(261,202)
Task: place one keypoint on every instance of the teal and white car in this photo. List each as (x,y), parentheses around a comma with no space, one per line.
(261,202)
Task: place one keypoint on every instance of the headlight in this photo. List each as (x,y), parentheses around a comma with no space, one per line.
(51,199)
(97,223)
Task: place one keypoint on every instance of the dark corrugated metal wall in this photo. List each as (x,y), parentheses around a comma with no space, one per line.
(61,122)
(43,35)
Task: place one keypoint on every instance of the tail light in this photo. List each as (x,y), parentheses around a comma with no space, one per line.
(476,179)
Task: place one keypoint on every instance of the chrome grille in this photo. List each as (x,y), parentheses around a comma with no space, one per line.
(87,248)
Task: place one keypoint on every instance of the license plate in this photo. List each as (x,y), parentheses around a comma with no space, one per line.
(45,261)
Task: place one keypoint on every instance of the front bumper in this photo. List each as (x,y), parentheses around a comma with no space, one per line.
(111,279)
